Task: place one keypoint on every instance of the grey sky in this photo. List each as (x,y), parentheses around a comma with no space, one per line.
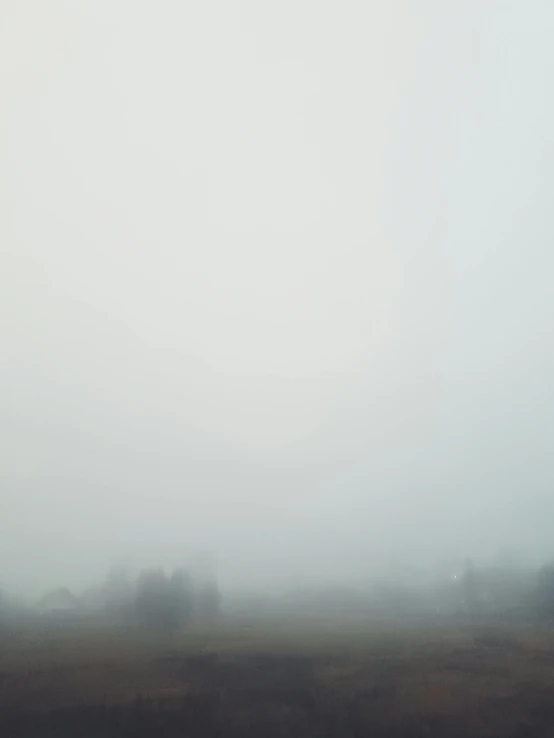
(275,282)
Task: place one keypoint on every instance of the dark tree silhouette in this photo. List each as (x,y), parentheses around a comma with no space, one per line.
(153,601)
(545,592)
(181,595)
(470,588)
(164,603)
(208,601)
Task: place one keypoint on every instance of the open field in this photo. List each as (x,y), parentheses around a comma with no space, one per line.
(311,679)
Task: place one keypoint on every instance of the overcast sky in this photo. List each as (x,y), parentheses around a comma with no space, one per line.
(275,283)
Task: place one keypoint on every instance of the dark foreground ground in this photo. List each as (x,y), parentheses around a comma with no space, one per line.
(243,682)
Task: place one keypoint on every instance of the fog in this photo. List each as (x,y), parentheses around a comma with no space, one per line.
(275,285)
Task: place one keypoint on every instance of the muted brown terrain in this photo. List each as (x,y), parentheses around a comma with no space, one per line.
(315,680)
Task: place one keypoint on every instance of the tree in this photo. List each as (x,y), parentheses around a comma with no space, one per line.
(164,603)
(118,593)
(4,610)
(208,601)
(470,588)
(153,601)
(545,592)
(181,596)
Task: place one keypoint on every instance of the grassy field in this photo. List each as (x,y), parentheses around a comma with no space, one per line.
(279,679)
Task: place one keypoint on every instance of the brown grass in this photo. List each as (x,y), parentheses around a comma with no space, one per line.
(323,679)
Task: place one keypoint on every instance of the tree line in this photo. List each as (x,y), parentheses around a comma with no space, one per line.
(159,601)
